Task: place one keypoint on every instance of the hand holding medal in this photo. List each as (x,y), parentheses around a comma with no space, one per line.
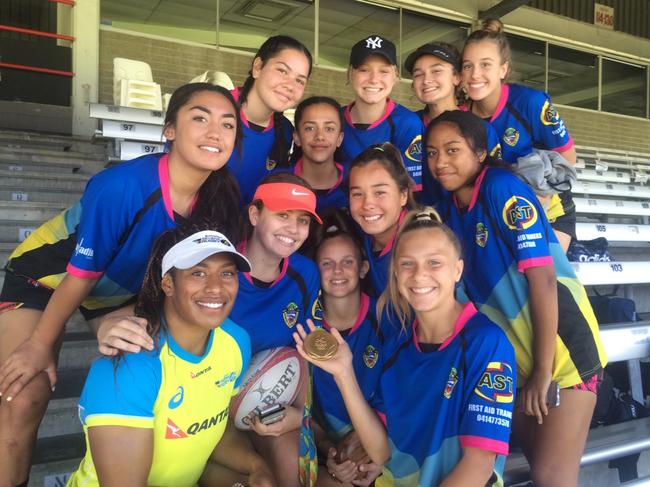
(326,350)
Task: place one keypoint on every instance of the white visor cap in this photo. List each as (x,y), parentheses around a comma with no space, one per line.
(198,247)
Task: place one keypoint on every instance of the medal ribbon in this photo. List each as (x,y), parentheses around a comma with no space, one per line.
(308,460)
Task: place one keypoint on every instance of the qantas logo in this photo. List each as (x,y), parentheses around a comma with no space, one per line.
(173,432)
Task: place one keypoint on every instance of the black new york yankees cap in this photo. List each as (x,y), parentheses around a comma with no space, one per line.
(373,44)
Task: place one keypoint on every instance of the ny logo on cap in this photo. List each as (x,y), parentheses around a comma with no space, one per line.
(374,42)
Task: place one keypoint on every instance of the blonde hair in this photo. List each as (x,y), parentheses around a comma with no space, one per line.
(391,300)
(492,30)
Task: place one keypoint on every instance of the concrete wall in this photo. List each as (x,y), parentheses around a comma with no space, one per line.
(174,63)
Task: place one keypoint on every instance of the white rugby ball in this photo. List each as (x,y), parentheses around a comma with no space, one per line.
(273,376)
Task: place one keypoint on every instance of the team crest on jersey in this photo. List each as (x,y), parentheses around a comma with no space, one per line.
(549,115)
(290,315)
(519,213)
(481,234)
(496,383)
(414,151)
(317,308)
(511,136)
(451,383)
(370,356)
(270,164)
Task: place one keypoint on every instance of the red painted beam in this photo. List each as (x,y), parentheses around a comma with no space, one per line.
(20,30)
(24,67)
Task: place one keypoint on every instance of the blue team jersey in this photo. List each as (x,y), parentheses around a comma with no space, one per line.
(270,315)
(436,403)
(250,163)
(504,232)
(432,192)
(334,197)
(525,119)
(365,340)
(397,125)
(182,397)
(108,235)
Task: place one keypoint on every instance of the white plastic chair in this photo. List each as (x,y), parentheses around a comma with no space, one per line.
(133,85)
(218,78)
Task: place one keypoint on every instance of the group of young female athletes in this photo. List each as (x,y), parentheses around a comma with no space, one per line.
(456,325)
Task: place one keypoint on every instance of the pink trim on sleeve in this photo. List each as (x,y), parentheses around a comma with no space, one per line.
(382,418)
(82,273)
(564,147)
(496,446)
(534,262)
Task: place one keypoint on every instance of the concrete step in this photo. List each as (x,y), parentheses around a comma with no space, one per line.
(13,231)
(50,163)
(41,187)
(41,140)
(28,212)
(61,418)
(69,155)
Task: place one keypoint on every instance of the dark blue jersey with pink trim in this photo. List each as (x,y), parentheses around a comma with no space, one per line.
(250,163)
(365,339)
(270,314)
(503,233)
(334,197)
(107,236)
(525,119)
(432,192)
(397,125)
(435,403)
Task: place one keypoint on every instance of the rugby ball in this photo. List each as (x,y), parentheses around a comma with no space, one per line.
(273,376)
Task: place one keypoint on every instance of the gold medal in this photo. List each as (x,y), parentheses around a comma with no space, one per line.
(320,345)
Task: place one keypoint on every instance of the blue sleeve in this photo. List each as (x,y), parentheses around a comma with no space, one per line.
(549,129)
(243,340)
(521,219)
(489,393)
(104,218)
(122,394)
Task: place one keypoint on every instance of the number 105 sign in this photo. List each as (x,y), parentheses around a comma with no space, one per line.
(603,16)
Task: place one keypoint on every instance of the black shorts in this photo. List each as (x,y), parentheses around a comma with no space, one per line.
(566,223)
(24,292)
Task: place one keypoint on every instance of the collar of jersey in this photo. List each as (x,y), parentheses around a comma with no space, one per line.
(244,120)
(241,248)
(390,106)
(180,351)
(361,315)
(469,310)
(503,99)
(477,187)
(298,172)
(391,240)
(163,176)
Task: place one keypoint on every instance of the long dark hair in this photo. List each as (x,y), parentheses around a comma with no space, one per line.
(471,128)
(218,198)
(297,118)
(271,47)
